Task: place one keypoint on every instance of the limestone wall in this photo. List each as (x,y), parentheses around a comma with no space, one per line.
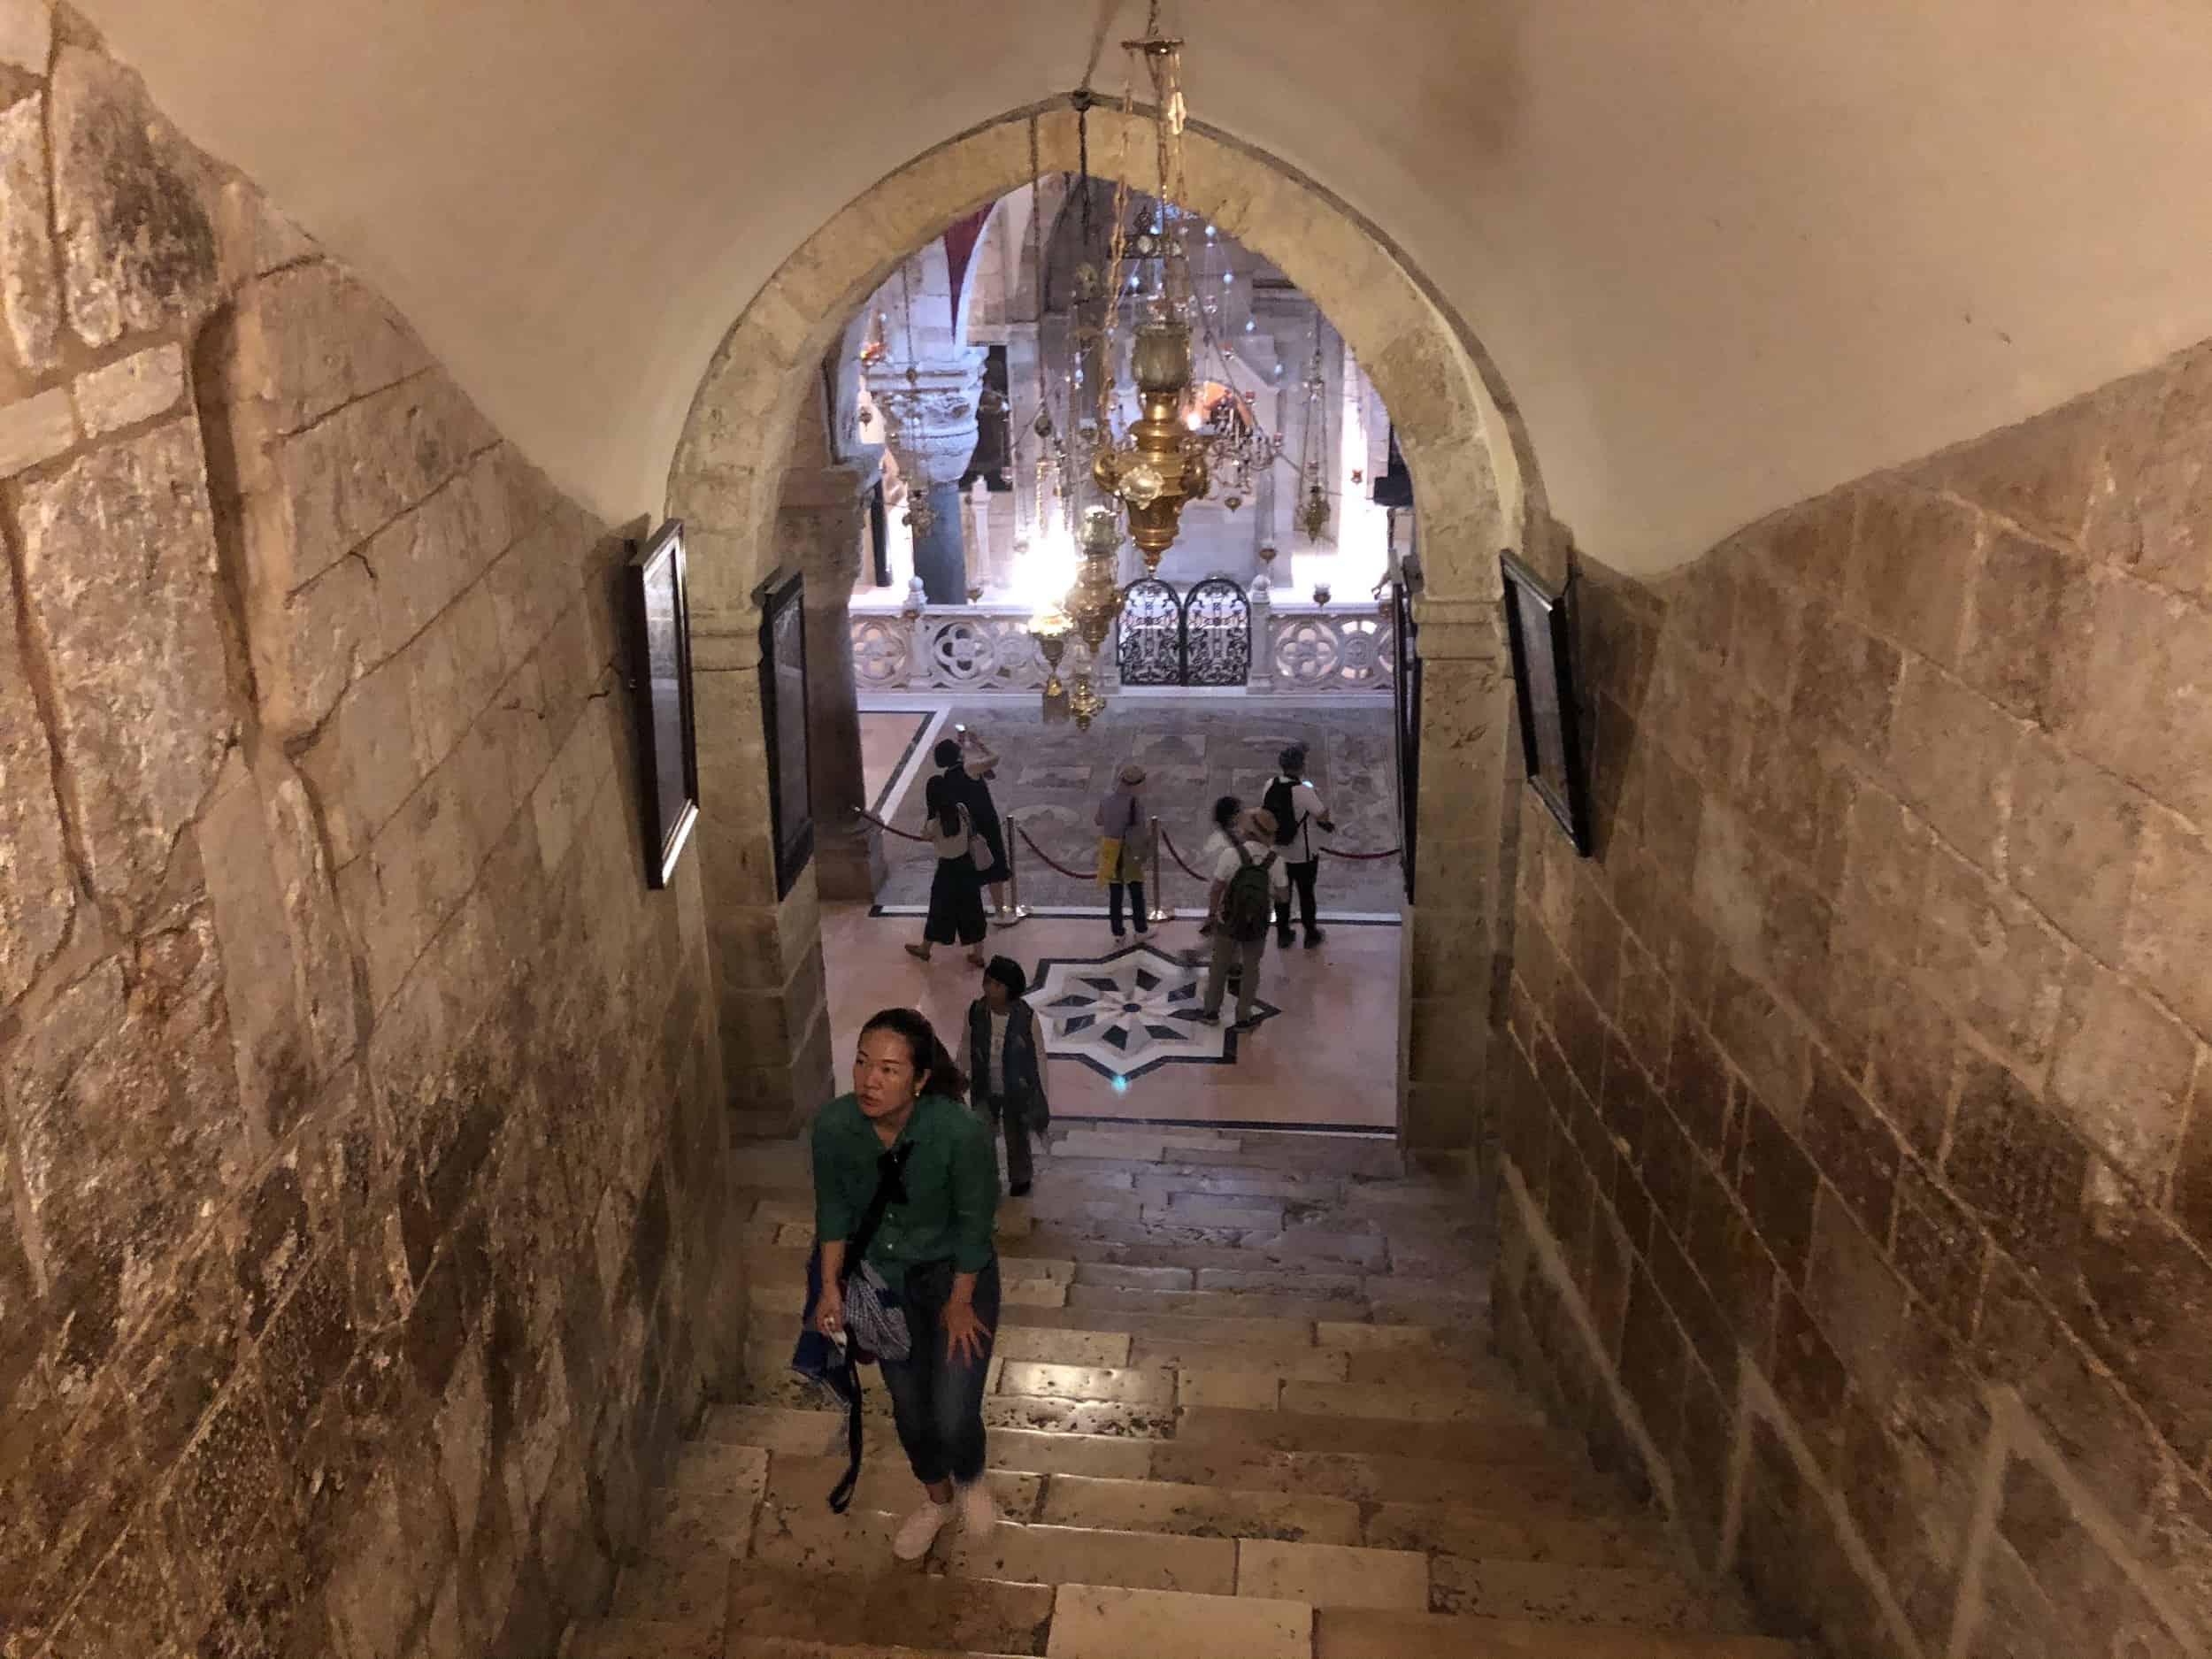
(1860,1138)
(360,1162)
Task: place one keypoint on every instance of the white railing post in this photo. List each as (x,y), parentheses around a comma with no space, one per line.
(1262,677)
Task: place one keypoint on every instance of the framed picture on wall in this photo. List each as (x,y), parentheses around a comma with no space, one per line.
(1537,624)
(783,712)
(660,679)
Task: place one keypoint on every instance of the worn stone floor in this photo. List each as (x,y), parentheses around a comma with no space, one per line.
(1050,778)
(1241,1407)
(1326,1052)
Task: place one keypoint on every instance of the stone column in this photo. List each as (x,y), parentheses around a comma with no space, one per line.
(930,408)
(941,554)
(821,522)
(1452,938)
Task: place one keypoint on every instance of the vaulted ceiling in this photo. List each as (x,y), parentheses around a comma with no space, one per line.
(1726,253)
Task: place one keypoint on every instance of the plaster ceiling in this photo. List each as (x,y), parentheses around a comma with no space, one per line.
(1726,253)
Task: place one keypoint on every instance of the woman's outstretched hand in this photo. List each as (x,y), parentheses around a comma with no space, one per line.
(966,1334)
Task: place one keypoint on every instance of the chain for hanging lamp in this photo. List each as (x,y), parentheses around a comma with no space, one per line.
(1157,467)
(1312,514)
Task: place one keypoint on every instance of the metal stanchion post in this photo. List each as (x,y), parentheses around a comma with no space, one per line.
(1159,910)
(1012,911)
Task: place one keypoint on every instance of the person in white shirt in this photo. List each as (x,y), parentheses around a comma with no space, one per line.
(1298,812)
(1248,881)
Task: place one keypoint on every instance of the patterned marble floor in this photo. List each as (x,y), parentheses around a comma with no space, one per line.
(1325,1051)
(1050,779)
(888,738)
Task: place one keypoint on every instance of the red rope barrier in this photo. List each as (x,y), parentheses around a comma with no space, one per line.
(1169,841)
(1338,852)
(892,828)
(1073,875)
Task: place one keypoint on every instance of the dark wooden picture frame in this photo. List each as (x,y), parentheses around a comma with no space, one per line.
(783,714)
(1540,624)
(659,620)
(1405,690)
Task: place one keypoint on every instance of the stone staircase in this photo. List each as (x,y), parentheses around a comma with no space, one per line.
(1240,1408)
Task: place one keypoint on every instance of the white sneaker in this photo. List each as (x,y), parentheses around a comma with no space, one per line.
(919,1531)
(978,1511)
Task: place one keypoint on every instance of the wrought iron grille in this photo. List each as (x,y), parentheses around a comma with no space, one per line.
(1151,645)
(1217,634)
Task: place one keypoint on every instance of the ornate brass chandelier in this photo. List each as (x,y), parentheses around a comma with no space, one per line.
(1159,465)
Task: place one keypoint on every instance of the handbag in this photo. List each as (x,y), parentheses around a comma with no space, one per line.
(875,1322)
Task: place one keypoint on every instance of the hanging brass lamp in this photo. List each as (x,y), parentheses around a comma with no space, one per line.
(1159,469)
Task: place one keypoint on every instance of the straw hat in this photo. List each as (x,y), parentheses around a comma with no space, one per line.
(1132,774)
(1261,822)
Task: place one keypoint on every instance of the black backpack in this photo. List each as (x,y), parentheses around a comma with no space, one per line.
(1247,906)
(1280,802)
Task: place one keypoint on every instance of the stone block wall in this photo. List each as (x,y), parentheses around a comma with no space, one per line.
(1858,1150)
(362,1173)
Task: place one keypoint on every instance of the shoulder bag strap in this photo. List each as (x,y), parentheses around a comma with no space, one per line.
(890,1189)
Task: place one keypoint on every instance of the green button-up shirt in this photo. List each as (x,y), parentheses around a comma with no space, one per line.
(951,1184)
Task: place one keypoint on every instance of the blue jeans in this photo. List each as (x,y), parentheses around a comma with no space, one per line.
(937,1401)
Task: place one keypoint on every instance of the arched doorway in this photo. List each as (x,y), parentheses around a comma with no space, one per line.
(1477,491)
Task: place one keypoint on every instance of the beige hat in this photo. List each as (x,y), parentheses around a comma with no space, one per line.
(1261,822)
(1132,774)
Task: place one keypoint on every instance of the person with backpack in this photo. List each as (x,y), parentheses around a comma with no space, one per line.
(956,891)
(1296,807)
(1006,1061)
(1247,883)
(1122,848)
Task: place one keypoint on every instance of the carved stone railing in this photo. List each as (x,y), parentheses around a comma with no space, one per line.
(983,649)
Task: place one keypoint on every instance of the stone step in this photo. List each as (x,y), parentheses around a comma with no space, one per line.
(1382,1478)
(1650,1597)
(893,1604)
(1170,1507)
(1217,1304)
(1511,1442)
(812,1539)
(1144,1246)
(1343,1156)
(1198,1327)
(1107,1622)
(1554,1492)
(1304,1380)
(1374,1633)
(785,1648)
(1521,1531)
(725,1473)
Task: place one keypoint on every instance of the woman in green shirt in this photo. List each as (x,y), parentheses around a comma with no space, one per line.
(934,1246)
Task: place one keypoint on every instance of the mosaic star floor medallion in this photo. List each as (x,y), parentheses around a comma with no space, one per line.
(1124,1014)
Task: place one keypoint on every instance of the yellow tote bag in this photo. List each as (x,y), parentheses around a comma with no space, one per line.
(1109,860)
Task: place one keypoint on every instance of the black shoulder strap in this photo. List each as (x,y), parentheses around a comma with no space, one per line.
(890,1189)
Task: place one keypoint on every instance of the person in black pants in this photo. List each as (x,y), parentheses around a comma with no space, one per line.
(1006,1061)
(956,891)
(968,768)
(1298,812)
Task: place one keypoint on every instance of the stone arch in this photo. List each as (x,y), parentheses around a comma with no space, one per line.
(1475,485)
